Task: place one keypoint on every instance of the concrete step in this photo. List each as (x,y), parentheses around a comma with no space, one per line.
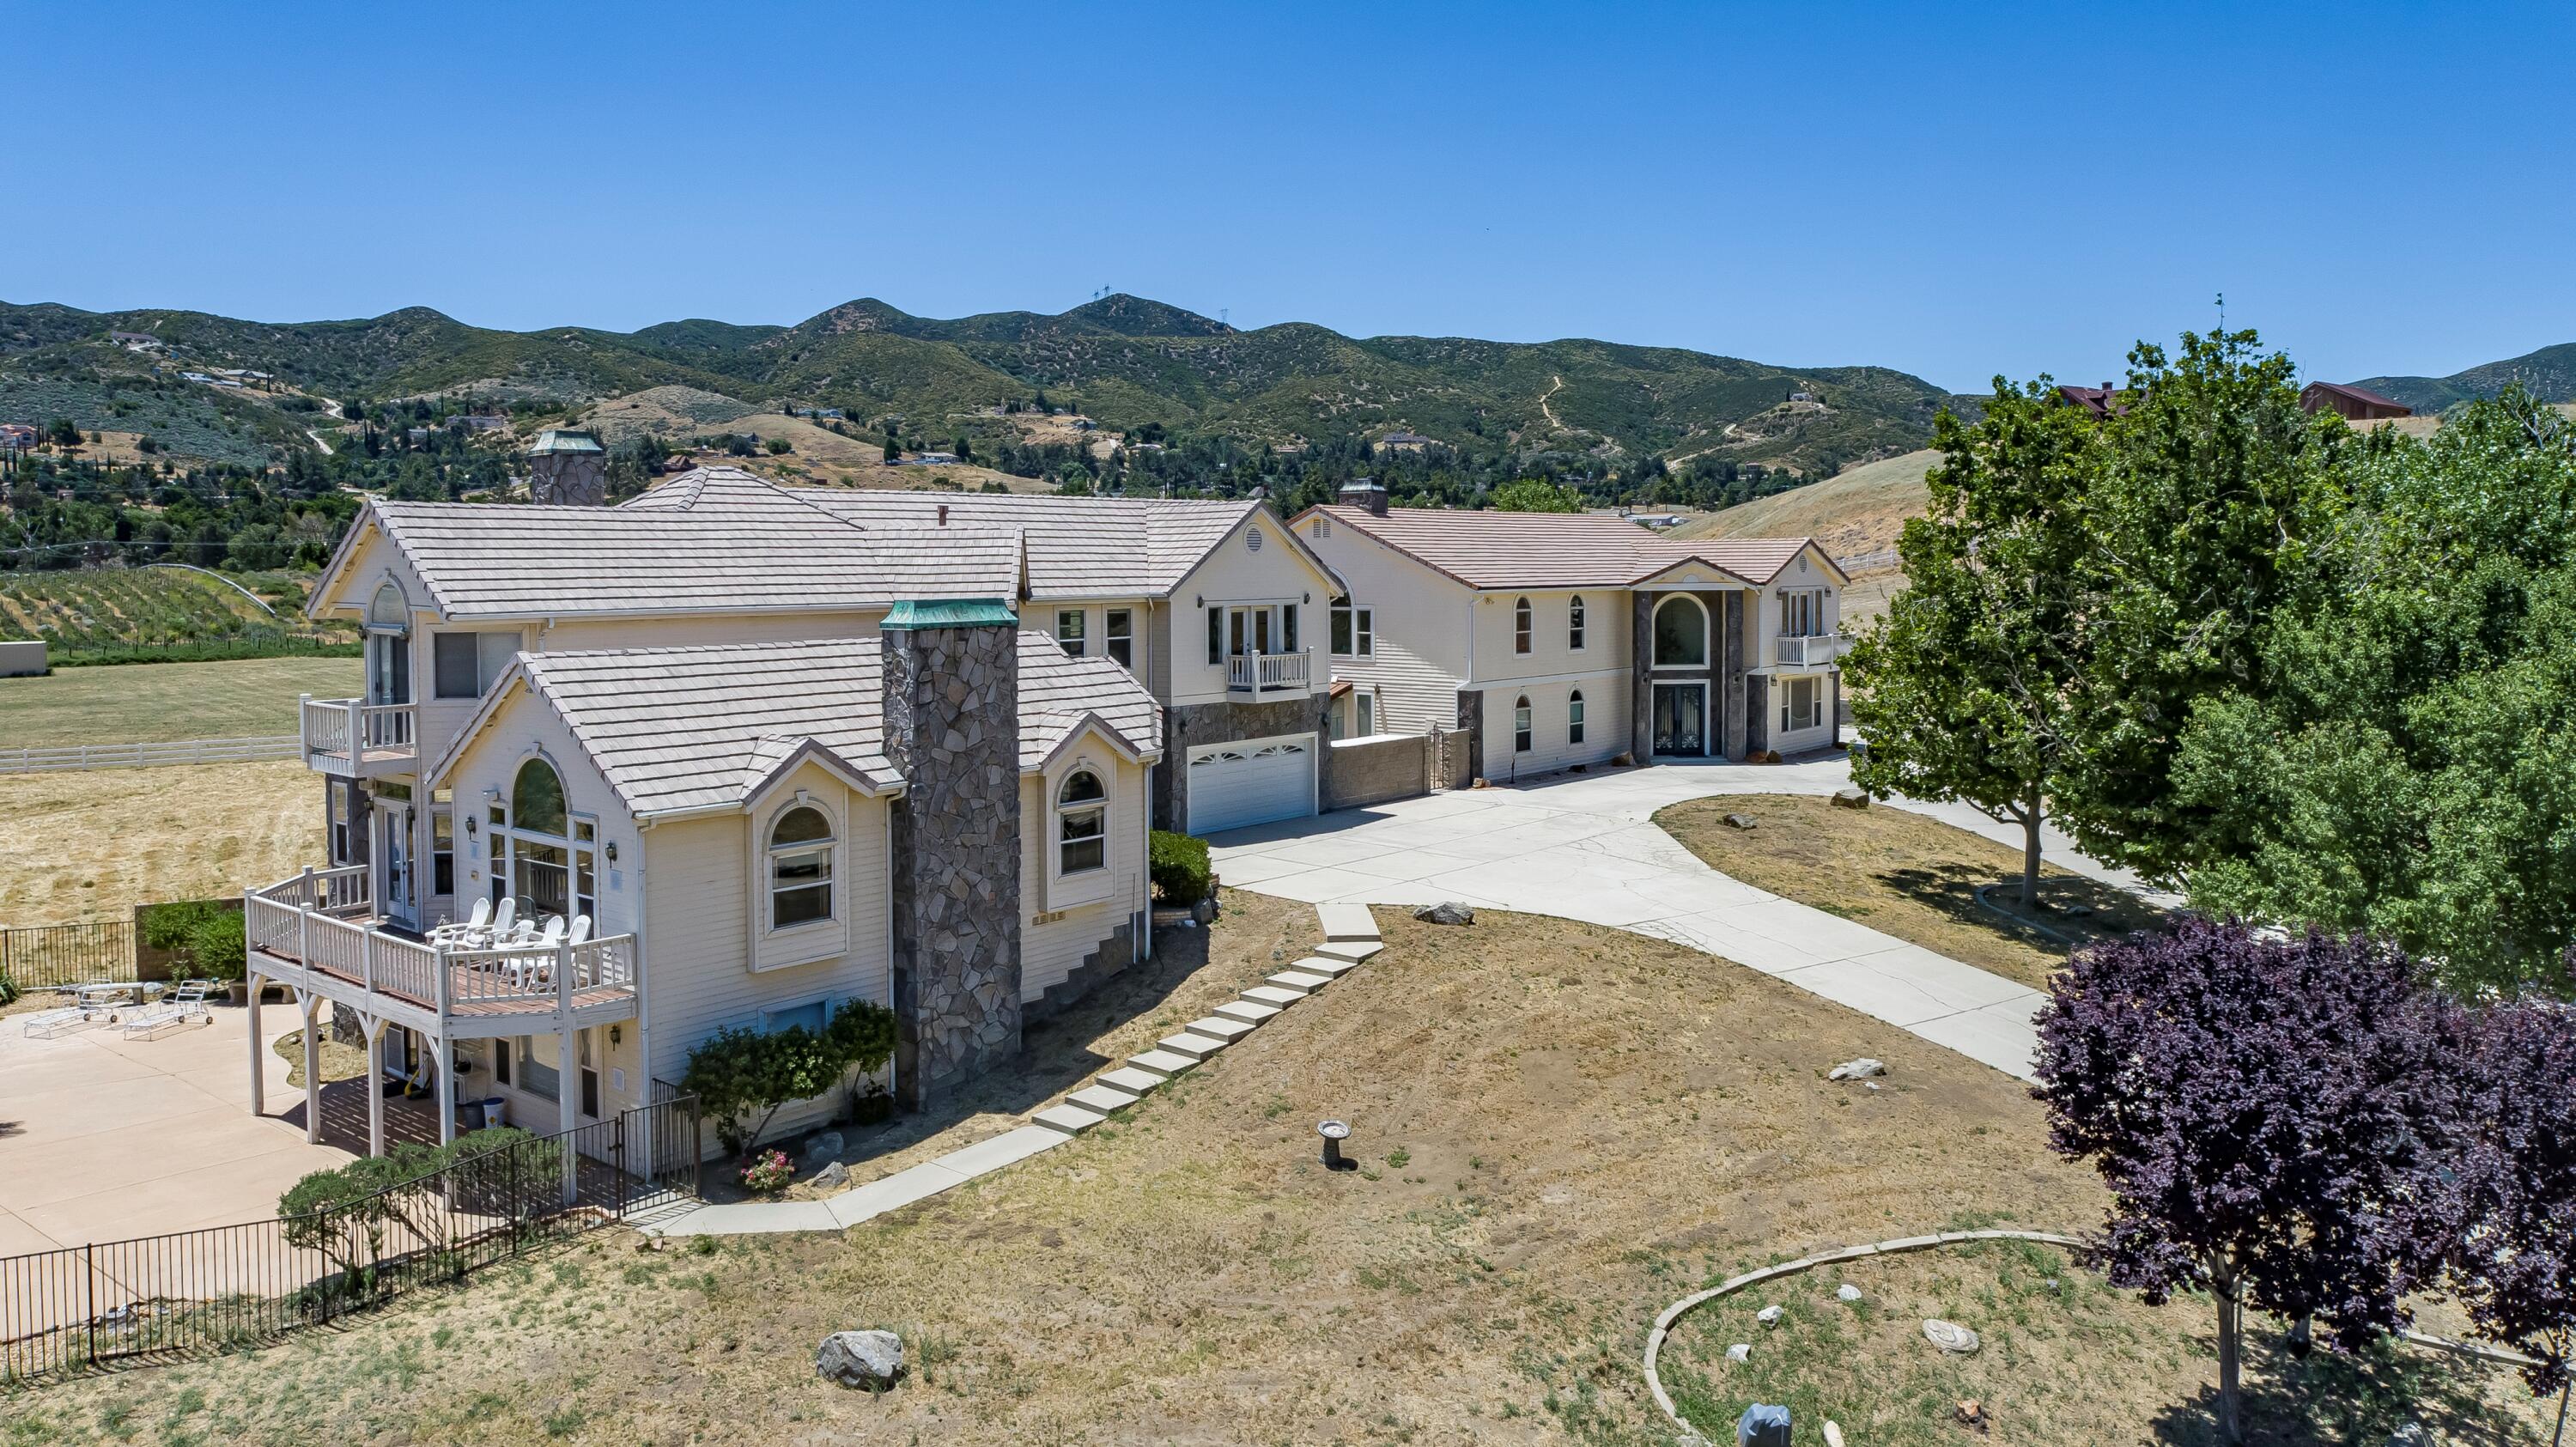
(1250,1012)
(1164,1063)
(1130,1079)
(1298,980)
(1103,1098)
(1351,950)
(1344,921)
(1196,1047)
(1273,995)
(1071,1119)
(1325,965)
(1221,1028)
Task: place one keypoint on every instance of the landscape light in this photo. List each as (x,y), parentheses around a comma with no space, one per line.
(1334,1133)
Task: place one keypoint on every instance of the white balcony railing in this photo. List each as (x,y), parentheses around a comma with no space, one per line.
(1265,673)
(320,923)
(1810,651)
(355,738)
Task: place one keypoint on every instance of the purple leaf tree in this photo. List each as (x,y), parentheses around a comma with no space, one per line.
(2251,1104)
(2506,1213)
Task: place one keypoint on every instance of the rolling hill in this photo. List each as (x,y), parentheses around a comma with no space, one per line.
(1126,361)
(2548,374)
(1856,514)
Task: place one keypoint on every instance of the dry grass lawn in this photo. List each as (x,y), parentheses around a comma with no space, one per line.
(1562,1128)
(1899,873)
(165,702)
(1853,513)
(92,845)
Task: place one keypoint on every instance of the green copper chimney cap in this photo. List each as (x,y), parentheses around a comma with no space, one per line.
(950,613)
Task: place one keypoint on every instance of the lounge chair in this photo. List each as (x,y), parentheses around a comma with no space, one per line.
(186,1003)
(504,917)
(50,1023)
(580,930)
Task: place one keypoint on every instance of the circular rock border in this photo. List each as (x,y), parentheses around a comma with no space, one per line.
(1675,1312)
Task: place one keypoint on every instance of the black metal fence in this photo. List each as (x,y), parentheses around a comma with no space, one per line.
(41,957)
(223,1287)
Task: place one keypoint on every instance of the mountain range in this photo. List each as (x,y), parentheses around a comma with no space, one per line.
(1126,361)
(2548,374)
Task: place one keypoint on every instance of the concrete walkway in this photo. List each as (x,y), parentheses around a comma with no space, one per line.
(1581,847)
(1350,938)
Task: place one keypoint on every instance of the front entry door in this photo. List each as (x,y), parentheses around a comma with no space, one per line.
(1681,719)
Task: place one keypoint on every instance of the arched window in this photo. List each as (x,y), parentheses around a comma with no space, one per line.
(1082,824)
(1681,633)
(387,610)
(1521,626)
(388,647)
(537,800)
(800,868)
(1574,718)
(1574,624)
(1521,725)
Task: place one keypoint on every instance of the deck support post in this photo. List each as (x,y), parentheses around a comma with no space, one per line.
(309,1002)
(567,1072)
(258,1056)
(440,1048)
(375,1028)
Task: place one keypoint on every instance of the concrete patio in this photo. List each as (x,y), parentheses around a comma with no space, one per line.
(104,1137)
(1582,847)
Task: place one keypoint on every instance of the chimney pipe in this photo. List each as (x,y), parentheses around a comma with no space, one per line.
(943,514)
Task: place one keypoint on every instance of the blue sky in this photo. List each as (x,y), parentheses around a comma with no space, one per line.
(1952,191)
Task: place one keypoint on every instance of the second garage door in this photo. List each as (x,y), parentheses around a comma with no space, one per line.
(1252,782)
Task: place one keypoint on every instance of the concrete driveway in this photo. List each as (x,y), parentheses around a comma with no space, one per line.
(1580,846)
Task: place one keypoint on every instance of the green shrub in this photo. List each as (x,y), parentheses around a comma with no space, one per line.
(8,989)
(205,938)
(742,1076)
(1179,864)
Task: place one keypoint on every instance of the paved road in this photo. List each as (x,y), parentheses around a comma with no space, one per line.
(1582,847)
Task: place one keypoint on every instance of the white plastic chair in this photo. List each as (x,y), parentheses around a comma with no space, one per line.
(467,931)
(506,916)
(580,930)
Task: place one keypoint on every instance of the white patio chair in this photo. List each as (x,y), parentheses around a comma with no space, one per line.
(46,1024)
(186,1003)
(553,934)
(506,916)
(580,930)
(466,931)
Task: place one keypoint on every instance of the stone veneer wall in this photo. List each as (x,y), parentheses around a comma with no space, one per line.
(1757,714)
(1372,771)
(1471,721)
(1192,725)
(952,727)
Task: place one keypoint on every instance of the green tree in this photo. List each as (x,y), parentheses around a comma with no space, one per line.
(1533,494)
(2211,489)
(1965,688)
(2398,762)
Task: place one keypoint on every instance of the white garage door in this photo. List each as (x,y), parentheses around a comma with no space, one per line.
(1252,782)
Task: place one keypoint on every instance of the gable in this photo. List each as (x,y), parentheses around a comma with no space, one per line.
(1260,557)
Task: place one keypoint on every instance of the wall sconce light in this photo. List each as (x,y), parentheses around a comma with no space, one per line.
(612,851)
(1306,597)
(616,1033)
(1198,600)
(469,823)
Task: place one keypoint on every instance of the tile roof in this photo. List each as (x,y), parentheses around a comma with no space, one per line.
(1555,550)
(681,729)
(717,539)
(1097,547)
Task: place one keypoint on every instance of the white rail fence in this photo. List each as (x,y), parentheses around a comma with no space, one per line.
(143,756)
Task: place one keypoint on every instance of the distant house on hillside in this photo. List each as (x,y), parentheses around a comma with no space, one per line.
(1802,396)
(478,422)
(18,437)
(2354,404)
(1414,441)
(194,377)
(2102,401)
(137,341)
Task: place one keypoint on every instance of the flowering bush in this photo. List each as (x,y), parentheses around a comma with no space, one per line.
(767,1172)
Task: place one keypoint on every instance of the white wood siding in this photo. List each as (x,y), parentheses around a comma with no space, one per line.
(1053,943)
(1421,627)
(1235,572)
(1605,725)
(1605,635)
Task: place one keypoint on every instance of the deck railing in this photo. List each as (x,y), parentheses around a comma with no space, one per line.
(341,735)
(1809,651)
(1265,672)
(317,920)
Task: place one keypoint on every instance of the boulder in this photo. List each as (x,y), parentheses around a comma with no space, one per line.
(1762,1425)
(1447,912)
(1949,1336)
(1861,1069)
(1740,1352)
(1847,1293)
(824,1147)
(869,1360)
(1768,1316)
(1739,821)
(1849,799)
(833,1176)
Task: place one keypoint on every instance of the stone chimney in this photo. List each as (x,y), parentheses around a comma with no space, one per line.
(951,692)
(1363,493)
(567,469)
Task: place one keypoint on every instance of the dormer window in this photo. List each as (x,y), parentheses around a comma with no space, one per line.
(800,868)
(1082,824)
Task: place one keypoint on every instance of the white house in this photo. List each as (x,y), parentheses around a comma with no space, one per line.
(1557,639)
